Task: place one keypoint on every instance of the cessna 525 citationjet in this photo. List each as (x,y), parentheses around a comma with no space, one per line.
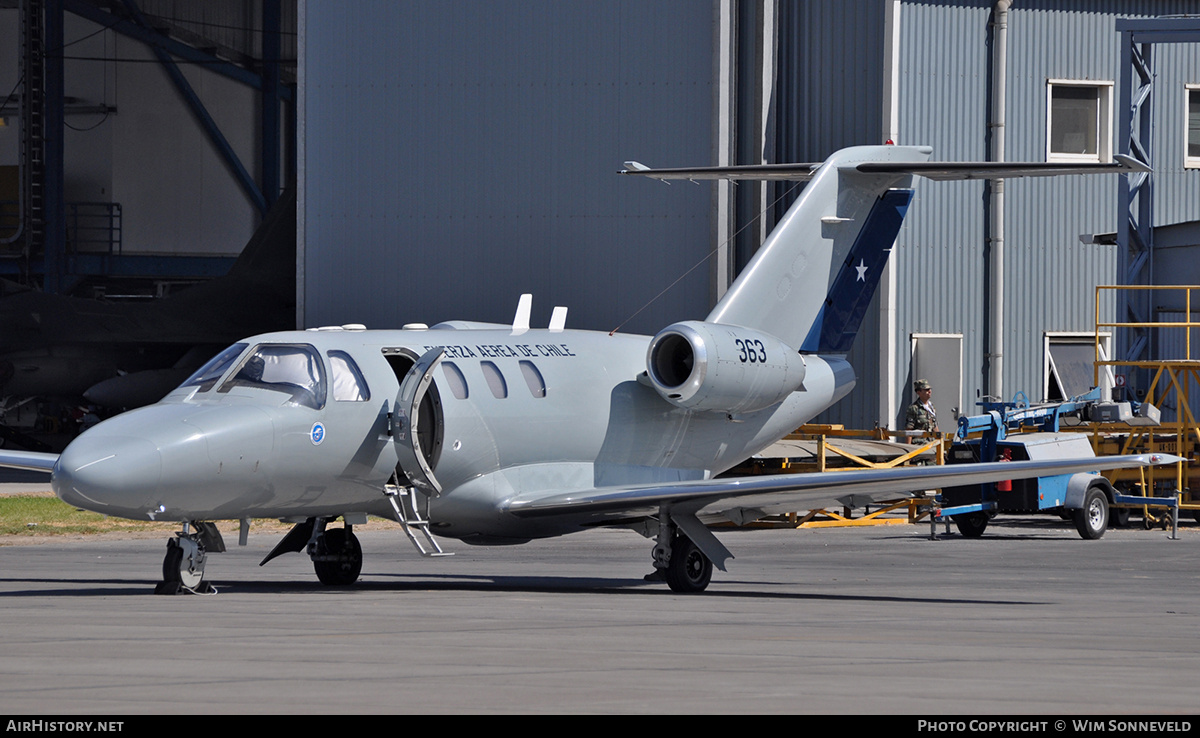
(499,434)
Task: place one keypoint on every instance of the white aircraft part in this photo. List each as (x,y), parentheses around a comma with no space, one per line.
(729,369)
(406,422)
(784,287)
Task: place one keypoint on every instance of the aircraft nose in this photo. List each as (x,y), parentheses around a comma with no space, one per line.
(114,475)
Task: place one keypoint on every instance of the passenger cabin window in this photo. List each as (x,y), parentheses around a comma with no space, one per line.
(348,382)
(207,375)
(455,380)
(533,378)
(495,380)
(292,370)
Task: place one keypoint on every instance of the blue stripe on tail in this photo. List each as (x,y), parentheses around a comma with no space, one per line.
(840,317)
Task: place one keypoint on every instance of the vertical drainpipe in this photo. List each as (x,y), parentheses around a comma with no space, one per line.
(995,236)
(889,396)
(725,127)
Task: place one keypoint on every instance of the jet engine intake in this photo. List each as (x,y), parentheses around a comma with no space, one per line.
(725,368)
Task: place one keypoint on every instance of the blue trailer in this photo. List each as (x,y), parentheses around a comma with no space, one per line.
(1085,498)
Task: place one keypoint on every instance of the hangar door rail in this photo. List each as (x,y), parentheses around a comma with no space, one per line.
(1171,383)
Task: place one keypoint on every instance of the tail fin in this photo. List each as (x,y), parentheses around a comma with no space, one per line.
(811,281)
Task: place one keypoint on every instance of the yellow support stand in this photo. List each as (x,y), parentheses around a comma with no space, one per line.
(916,508)
(1170,386)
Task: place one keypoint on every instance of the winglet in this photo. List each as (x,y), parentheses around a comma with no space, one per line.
(1131,163)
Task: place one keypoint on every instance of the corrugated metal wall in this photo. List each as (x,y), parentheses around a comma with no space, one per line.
(940,252)
(828,96)
(1050,275)
(457,154)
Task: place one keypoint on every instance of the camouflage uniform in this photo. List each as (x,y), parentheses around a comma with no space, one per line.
(918,416)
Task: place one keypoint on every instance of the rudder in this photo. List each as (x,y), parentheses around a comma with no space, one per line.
(803,285)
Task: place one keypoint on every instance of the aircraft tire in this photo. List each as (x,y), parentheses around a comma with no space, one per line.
(177,569)
(971,525)
(689,570)
(344,570)
(1091,520)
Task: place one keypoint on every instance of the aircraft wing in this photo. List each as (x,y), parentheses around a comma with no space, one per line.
(940,170)
(742,499)
(29,460)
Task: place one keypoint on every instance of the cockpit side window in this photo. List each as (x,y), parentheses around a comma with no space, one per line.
(207,375)
(348,382)
(292,369)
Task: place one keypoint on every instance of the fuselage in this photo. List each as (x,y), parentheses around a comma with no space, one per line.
(304,424)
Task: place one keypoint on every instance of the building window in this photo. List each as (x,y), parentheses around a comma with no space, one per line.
(1069,364)
(1078,121)
(1192,129)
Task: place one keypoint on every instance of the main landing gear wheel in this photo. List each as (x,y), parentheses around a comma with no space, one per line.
(1091,520)
(337,557)
(183,567)
(689,570)
(971,525)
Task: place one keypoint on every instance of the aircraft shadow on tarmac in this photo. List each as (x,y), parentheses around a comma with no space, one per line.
(460,583)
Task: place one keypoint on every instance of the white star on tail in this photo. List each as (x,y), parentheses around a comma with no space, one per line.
(862,270)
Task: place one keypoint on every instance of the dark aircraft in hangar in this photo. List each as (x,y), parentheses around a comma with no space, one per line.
(126,355)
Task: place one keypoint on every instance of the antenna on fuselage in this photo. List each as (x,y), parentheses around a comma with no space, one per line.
(521,319)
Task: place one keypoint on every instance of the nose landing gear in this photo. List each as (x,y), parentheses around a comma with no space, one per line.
(187,553)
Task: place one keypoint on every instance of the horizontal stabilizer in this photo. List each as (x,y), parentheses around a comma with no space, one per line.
(794,172)
(939,170)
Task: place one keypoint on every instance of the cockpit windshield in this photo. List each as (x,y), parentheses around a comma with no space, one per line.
(207,375)
(292,369)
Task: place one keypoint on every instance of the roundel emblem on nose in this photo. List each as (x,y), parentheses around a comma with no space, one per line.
(317,434)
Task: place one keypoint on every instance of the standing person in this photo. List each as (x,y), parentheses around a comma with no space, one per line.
(921,415)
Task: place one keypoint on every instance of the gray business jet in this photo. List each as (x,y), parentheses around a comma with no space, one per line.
(499,434)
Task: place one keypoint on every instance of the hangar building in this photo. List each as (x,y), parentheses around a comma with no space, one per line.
(450,156)
(455,155)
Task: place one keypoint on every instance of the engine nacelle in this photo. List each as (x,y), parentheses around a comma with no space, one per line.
(707,366)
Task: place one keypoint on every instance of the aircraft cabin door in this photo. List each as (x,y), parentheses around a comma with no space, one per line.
(417,423)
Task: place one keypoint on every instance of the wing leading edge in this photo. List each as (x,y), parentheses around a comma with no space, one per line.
(733,498)
(28,460)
